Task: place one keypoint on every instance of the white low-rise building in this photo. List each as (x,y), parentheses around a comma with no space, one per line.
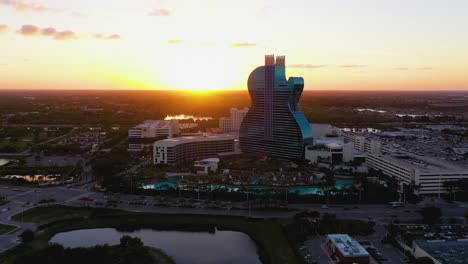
(324,130)
(178,149)
(206,166)
(332,151)
(426,173)
(154,128)
(346,250)
(363,144)
(233,123)
(150,129)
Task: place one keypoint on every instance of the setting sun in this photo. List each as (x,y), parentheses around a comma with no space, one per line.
(200,68)
(213,45)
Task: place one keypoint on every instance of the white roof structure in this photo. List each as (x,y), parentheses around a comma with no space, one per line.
(210,160)
(347,246)
(154,124)
(172,142)
(330,143)
(423,164)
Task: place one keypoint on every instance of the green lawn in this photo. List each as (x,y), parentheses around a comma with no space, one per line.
(3,201)
(47,214)
(268,234)
(18,144)
(22,142)
(6,228)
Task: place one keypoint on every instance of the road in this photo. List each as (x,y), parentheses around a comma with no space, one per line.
(134,168)
(26,150)
(24,198)
(378,213)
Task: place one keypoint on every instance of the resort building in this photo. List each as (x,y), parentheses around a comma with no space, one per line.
(363,144)
(441,251)
(427,173)
(332,151)
(206,166)
(153,129)
(233,123)
(178,149)
(275,123)
(324,131)
(346,250)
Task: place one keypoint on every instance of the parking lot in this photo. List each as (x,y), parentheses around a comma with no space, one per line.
(314,247)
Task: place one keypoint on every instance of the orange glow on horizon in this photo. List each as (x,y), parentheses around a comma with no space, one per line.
(204,46)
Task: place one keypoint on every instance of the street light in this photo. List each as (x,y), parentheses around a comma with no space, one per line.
(248,201)
(22,212)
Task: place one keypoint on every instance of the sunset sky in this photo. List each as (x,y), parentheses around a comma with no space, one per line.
(215,44)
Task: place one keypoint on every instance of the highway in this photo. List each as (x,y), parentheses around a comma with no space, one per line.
(24,198)
(27,197)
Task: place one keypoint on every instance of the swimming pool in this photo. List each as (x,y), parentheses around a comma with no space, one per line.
(339,184)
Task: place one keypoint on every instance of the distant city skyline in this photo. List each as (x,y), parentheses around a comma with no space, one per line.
(214,45)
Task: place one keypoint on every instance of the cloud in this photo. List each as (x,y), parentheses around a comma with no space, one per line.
(264,9)
(24,6)
(175,41)
(3,28)
(160,12)
(77,14)
(28,30)
(417,68)
(109,37)
(114,37)
(401,68)
(48,31)
(242,45)
(351,66)
(209,43)
(65,35)
(306,66)
(31,30)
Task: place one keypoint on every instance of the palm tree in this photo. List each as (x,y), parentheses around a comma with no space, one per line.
(451,186)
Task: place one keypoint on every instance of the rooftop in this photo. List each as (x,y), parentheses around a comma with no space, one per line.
(347,246)
(446,251)
(423,164)
(209,160)
(155,124)
(171,142)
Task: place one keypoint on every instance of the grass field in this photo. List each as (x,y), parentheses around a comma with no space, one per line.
(23,141)
(3,201)
(18,144)
(6,228)
(268,234)
(47,214)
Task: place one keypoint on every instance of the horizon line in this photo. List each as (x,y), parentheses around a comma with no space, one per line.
(234,90)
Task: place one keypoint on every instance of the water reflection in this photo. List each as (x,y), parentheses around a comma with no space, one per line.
(34,178)
(186,117)
(220,247)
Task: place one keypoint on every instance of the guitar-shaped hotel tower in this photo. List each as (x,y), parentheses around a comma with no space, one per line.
(275,124)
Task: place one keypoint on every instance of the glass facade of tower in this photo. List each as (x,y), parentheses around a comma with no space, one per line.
(275,123)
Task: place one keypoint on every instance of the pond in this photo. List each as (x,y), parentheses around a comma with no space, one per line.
(339,184)
(221,247)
